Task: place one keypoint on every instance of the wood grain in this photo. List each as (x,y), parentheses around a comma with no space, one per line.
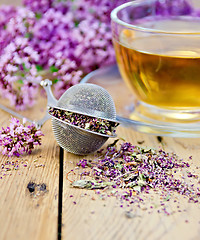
(86,216)
(34,216)
(26,215)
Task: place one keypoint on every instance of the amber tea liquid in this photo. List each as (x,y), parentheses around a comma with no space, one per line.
(163,71)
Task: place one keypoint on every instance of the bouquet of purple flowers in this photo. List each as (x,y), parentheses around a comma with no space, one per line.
(63,40)
(60,39)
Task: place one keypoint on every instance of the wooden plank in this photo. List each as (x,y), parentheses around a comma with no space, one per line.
(11,2)
(26,215)
(86,216)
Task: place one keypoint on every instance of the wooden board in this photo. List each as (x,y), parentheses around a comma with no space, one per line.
(86,216)
(11,2)
(26,215)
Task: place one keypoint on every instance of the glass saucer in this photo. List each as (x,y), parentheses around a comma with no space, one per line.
(133,114)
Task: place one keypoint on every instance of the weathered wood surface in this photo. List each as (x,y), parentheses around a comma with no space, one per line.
(26,215)
(86,216)
(11,2)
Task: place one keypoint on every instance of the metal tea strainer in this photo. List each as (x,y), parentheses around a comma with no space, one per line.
(87,99)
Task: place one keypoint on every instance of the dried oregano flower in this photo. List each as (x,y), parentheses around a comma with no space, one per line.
(94,124)
(136,169)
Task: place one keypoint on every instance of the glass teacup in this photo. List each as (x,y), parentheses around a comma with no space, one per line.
(157,46)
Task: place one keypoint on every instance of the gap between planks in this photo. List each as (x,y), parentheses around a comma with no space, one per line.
(60,194)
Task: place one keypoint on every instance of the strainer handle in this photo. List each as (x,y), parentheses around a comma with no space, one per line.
(126,122)
(46,84)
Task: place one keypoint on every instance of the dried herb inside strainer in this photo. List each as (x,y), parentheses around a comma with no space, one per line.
(94,124)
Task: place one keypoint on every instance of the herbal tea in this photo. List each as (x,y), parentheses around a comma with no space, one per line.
(163,71)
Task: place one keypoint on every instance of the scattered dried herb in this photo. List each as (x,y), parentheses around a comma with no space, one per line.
(160,139)
(136,170)
(140,142)
(129,214)
(17,165)
(90,184)
(36,188)
(31,187)
(93,124)
(43,187)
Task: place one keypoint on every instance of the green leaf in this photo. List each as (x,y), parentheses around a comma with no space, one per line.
(167,198)
(29,35)
(90,184)
(26,24)
(137,188)
(20,81)
(76,23)
(68,113)
(25,68)
(118,166)
(55,80)
(38,15)
(39,67)
(141,183)
(53,69)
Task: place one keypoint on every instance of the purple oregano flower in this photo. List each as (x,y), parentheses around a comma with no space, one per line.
(18,138)
(64,40)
